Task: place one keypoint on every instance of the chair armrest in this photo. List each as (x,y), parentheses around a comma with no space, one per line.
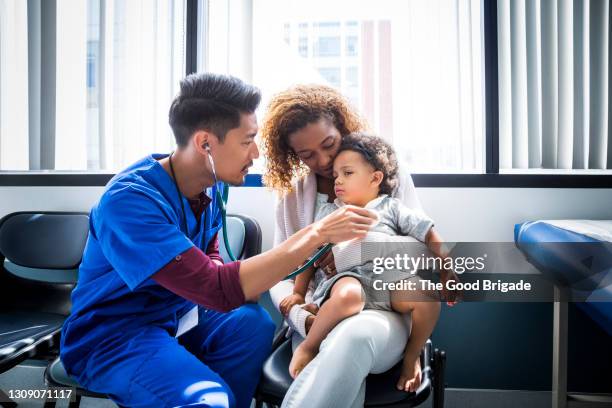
(280,337)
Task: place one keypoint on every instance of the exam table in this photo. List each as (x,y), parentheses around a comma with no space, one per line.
(579,263)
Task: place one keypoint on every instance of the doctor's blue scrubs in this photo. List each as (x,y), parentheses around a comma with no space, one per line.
(120,338)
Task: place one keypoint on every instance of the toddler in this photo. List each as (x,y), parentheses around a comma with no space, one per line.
(365,173)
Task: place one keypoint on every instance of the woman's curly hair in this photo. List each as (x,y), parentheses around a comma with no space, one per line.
(292,110)
(378,153)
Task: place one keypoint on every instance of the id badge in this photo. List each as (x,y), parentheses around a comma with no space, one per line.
(188,321)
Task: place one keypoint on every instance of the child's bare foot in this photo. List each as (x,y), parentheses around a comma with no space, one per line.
(301,357)
(410,378)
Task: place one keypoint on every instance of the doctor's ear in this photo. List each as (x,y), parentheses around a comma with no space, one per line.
(201,139)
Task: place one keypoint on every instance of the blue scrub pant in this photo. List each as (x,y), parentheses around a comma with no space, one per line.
(215,364)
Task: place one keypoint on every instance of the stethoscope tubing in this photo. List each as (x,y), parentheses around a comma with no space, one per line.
(222,198)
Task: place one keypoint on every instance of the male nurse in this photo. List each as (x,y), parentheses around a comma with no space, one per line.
(158,320)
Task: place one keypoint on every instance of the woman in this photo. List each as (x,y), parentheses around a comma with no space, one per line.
(301,135)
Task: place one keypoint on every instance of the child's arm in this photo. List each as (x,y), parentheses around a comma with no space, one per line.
(302,281)
(299,291)
(435,243)
(411,222)
(418,225)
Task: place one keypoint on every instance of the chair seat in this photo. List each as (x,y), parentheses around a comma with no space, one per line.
(380,388)
(56,376)
(23,334)
(275,378)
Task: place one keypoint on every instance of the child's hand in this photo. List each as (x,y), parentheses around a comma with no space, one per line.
(312,308)
(327,264)
(287,303)
(451,296)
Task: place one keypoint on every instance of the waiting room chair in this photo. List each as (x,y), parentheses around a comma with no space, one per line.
(244,236)
(39,254)
(380,388)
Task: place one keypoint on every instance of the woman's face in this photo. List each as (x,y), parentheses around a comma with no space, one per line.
(317,145)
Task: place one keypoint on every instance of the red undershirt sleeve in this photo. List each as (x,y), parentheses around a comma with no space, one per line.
(213,249)
(194,276)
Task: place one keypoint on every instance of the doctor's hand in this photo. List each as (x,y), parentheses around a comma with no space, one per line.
(348,222)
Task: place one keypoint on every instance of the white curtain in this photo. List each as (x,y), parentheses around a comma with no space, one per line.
(113,69)
(13,85)
(553,59)
(144,66)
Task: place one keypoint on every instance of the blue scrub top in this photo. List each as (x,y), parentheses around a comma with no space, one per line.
(134,230)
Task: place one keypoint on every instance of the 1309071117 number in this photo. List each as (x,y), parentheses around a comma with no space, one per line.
(51,393)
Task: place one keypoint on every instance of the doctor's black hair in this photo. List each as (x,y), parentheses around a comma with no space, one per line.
(210,102)
(378,153)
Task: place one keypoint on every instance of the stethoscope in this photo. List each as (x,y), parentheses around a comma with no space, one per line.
(222,200)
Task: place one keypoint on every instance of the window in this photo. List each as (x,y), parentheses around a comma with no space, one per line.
(413,68)
(303,46)
(287,34)
(352,77)
(327,47)
(331,75)
(86,86)
(351,45)
(302,39)
(554,86)
(93,91)
(326,39)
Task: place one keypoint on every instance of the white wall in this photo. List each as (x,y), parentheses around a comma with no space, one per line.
(461,214)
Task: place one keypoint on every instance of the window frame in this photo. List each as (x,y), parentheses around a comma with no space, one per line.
(492,178)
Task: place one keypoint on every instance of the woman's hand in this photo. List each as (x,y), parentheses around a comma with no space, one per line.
(348,222)
(327,264)
(287,303)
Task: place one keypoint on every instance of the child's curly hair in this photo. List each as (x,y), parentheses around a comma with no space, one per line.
(292,110)
(378,153)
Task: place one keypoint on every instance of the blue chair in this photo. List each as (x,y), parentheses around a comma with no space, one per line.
(39,253)
(244,235)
